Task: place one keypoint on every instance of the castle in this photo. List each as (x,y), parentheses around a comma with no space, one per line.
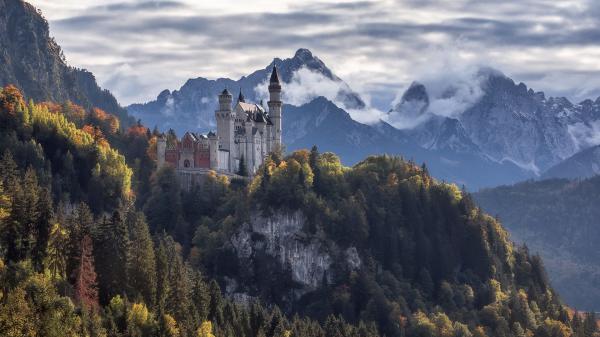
(245,132)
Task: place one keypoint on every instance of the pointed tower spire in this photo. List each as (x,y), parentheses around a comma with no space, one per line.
(241,96)
(274,75)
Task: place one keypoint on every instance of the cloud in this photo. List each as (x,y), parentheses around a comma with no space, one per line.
(168,110)
(377,47)
(306,85)
(585,135)
(453,80)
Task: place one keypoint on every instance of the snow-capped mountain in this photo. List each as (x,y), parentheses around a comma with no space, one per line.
(501,133)
(193,105)
(508,123)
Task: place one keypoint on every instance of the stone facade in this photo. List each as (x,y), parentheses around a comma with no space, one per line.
(245,131)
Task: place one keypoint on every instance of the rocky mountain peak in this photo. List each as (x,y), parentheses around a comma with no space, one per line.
(33,61)
(416,92)
(303,54)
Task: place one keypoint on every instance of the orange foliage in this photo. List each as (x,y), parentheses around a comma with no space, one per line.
(76,111)
(96,133)
(137,131)
(110,121)
(151,151)
(52,107)
(11,97)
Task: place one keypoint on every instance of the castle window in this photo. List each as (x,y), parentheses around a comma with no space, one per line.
(186,163)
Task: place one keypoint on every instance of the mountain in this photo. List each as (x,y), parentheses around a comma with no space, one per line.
(559,219)
(583,164)
(193,105)
(32,60)
(381,242)
(507,123)
(449,153)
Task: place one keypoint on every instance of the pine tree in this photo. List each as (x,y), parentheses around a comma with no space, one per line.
(111,256)
(23,217)
(79,224)
(163,209)
(42,228)
(9,172)
(162,276)
(243,170)
(56,252)
(142,264)
(86,292)
(200,297)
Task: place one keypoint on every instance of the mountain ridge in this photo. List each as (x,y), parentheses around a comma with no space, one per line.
(33,61)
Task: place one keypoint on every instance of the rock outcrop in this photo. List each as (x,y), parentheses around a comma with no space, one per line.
(307,260)
(32,60)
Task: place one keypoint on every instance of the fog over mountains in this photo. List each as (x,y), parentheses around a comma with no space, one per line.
(483,131)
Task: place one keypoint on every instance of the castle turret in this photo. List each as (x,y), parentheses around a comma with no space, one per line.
(249,145)
(241,96)
(213,148)
(225,124)
(161,147)
(275,109)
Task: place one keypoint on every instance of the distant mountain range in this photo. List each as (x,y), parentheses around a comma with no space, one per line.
(583,164)
(560,220)
(510,133)
(33,61)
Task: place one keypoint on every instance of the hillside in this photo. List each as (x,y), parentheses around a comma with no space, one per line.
(376,249)
(32,60)
(381,241)
(559,219)
(583,164)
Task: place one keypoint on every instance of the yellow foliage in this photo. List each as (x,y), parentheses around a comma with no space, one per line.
(17,318)
(205,330)
(5,204)
(170,325)
(56,262)
(138,314)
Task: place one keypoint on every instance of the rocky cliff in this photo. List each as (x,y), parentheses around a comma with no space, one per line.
(305,259)
(32,60)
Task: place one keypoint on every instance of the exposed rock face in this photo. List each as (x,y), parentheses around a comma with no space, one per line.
(281,236)
(509,123)
(33,61)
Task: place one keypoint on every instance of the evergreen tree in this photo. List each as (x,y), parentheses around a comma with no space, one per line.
(79,224)
(142,264)
(111,256)
(163,208)
(86,292)
(162,276)
(242,170)
(42,228)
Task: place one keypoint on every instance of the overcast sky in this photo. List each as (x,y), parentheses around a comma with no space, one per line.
(138,48)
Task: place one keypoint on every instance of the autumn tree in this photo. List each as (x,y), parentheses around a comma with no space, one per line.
(86,291)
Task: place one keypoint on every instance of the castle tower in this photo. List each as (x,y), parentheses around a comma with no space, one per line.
(214,150)
(225,119)
(161,147)
(249,146)
(275,109)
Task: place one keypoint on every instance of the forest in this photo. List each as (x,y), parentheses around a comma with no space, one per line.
(94,241)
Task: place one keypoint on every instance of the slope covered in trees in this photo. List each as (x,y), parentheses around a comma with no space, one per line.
(431,262)
(77,162)
(559,219)
(68,269)
(85,252)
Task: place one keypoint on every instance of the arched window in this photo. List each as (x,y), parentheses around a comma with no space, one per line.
(186,163)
